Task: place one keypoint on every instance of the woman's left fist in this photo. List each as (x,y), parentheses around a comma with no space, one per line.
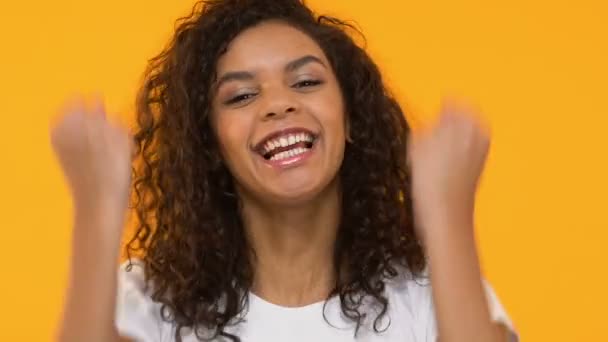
(446,162)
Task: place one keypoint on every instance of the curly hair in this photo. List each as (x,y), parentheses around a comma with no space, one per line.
(189,233)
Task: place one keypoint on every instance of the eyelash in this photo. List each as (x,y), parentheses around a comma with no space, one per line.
(298,85)
(240,98)
(307,83)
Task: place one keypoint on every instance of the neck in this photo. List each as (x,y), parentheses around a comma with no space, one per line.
(294,248)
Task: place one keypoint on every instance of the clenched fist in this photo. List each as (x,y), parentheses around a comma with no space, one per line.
(447,161)
(95,156)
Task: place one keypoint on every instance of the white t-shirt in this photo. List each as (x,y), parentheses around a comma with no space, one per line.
(410,316)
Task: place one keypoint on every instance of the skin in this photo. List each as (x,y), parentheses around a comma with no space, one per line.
(291,215)
(447,161)
(285,211)
(95,155)
(276,97)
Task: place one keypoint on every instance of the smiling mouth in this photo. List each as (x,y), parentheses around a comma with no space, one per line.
(286,145)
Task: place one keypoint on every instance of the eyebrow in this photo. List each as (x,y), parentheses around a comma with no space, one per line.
(248,76)
(234,76)
(300,62)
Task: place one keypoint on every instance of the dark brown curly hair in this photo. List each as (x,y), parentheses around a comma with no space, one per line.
(189,232)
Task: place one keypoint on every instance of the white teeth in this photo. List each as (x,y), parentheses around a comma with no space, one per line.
(289,153)
(285,141)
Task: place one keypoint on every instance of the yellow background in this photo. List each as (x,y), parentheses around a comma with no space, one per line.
(538,69)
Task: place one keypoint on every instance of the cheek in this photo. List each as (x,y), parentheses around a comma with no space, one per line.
(332,109)
(232,136)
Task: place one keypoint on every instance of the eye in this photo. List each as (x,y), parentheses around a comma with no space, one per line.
(240,98)
(307,83)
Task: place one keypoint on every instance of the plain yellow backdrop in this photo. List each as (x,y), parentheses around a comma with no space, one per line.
(537,69)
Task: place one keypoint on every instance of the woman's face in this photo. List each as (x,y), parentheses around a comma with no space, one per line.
(278,114)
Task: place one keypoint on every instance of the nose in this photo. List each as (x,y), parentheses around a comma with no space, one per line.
(278,104)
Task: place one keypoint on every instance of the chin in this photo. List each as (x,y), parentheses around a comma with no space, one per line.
(298,193)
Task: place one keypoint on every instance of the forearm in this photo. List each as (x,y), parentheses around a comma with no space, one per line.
(90,301)
(460,303)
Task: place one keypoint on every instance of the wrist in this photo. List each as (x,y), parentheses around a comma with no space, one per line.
(98,223)
(100,205)
(100,196)
(444,227)
(444,212)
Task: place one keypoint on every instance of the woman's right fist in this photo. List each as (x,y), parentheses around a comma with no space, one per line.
(95,155)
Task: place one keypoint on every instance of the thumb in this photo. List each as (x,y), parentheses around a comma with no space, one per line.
(98,106)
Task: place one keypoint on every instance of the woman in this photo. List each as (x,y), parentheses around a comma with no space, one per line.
(279,196)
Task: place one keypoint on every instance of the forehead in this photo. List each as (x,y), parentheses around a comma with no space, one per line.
(269,45)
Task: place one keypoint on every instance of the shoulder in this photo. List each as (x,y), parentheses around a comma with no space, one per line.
(137,315)
(409,286)
(131,275)
(132,290)
(412,295)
